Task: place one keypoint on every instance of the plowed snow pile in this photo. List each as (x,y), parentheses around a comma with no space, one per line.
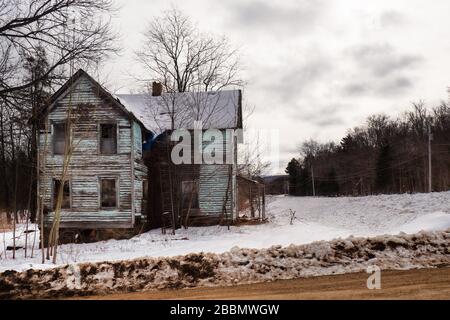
(423,250)
(315,219)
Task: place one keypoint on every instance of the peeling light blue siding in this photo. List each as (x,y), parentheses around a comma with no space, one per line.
(88,165)
(137,135)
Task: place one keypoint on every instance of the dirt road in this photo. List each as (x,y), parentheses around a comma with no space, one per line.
(413,284)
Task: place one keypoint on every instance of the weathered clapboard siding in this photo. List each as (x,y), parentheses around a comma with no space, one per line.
(215,181)
(140,170)
(138,197)
(137,136)
(140,173)
(217,184)
(87,164)
(93,217)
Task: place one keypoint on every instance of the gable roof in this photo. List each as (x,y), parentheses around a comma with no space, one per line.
(215,109)
(99,89)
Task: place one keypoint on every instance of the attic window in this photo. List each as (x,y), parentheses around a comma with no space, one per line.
(59,138)
(108,138)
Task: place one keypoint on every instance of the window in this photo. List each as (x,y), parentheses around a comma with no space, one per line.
(144,195)
(189,193)
(108,138)
(59,138)
(65,204)
(108,192)
(145,189)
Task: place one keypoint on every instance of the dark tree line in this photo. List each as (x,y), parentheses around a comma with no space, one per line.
(383,156)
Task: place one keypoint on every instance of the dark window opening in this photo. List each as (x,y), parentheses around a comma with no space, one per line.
(59,138)
(189,191)
(108,139)
(65,204)
(108,193)
(145,189)
(144,195)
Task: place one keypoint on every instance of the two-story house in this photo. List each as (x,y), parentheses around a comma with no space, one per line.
(116,185)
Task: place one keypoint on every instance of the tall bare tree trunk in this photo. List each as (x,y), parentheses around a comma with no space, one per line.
(4,166)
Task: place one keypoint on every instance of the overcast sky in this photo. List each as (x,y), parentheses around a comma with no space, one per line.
(314,68)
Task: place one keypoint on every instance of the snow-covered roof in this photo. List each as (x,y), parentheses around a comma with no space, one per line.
(216,110)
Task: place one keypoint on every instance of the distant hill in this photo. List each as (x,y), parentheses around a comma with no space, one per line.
(276,184)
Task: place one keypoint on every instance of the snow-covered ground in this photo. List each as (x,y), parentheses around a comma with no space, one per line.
(315,219)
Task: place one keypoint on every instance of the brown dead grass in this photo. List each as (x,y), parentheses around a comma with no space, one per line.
(4,226)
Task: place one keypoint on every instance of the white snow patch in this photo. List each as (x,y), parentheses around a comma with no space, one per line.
(316,219)
(431,222)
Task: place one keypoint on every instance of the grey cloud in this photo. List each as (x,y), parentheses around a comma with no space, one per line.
(380,71)
(290,81)
(323,116)
(395,86)
(383,60)
(261,15)
(391,18)
(386,87)
(399,63)
(299,78)
(329,121)
(355,89)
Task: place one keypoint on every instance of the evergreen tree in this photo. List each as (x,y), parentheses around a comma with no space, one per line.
(293,170)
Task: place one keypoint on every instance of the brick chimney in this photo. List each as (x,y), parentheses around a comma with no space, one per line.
(156,89)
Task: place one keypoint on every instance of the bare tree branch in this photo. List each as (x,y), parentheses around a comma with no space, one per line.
(70,30)
(180,57)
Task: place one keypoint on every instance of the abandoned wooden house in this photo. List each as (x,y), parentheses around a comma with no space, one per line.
(112,155)
(192,192)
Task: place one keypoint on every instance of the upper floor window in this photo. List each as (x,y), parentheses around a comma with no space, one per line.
(108,138)
(59,138)
(65,201)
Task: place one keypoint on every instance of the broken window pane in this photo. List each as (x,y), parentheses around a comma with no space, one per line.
(59,138)
(108,139)
(65,204)
(108,193)
(189,191)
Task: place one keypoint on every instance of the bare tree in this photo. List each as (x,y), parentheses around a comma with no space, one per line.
(182,58)
(38,40)
(251,161)
(384,155)
(70,30)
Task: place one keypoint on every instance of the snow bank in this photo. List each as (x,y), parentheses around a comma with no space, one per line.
(316,219)
(365,216)
(422,250)
(430,222)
